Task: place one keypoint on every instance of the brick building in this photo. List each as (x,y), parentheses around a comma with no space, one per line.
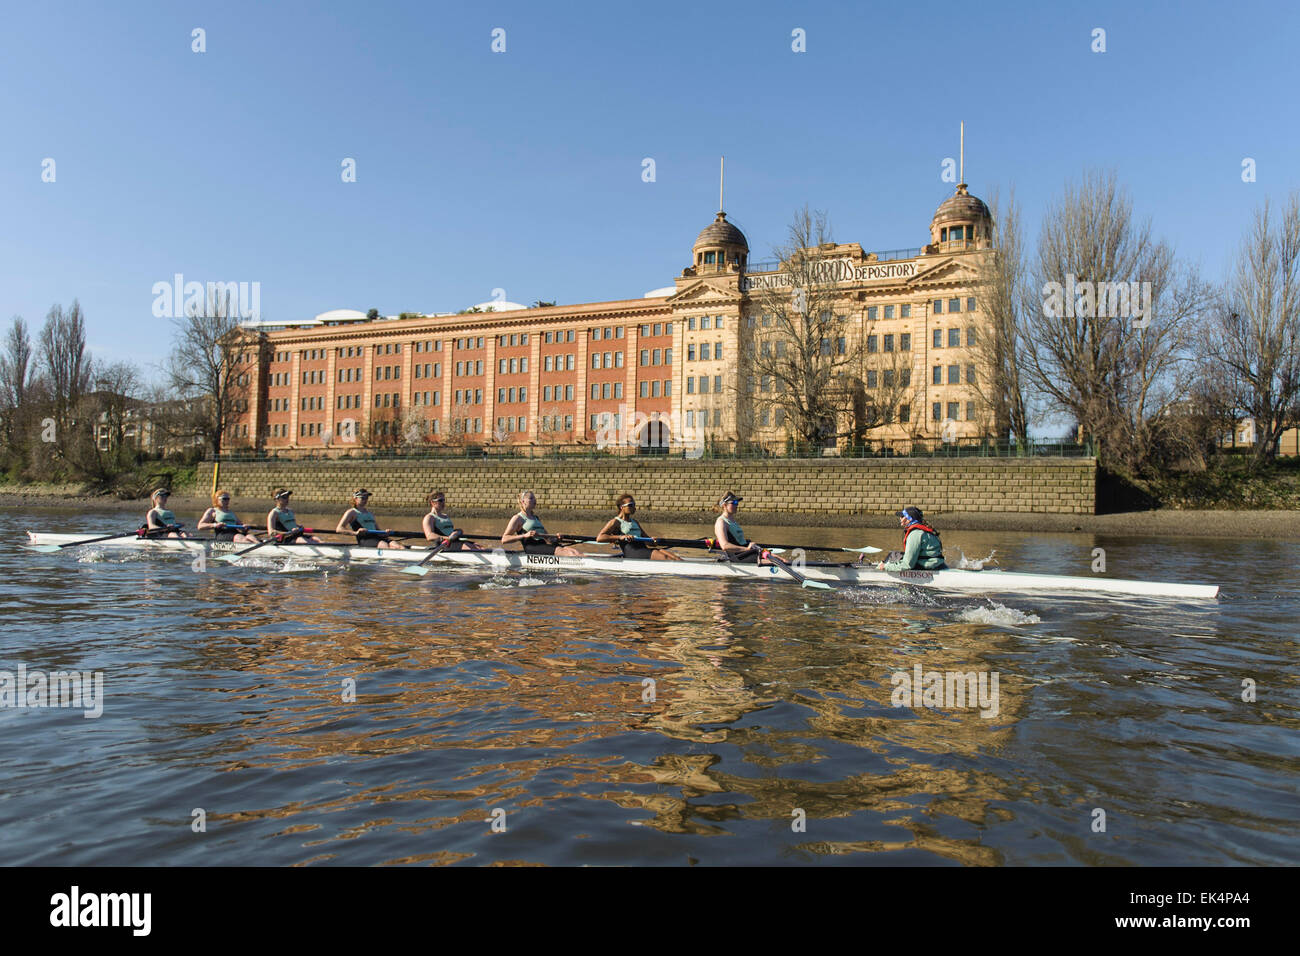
(667,368)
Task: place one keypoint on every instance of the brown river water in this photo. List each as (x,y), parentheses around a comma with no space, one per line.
(287,713)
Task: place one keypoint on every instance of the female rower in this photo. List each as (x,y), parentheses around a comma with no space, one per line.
(528,528)
(360,521)
(623,529)
(438,526)
(224,523)
(727,534)
(280,520)
(159,517)
(922,549)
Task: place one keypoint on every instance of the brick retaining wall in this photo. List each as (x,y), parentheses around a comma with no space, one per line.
(771,486)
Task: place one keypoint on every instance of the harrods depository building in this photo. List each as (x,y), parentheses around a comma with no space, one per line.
(670,362)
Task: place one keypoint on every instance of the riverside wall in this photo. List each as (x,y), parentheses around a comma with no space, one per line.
(769,486)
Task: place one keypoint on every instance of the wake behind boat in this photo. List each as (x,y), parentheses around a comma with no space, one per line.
(949,579)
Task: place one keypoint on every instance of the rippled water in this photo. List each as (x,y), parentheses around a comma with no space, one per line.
(770,738)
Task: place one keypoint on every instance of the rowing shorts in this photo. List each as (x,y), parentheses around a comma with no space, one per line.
(532,548)
(364,536)
(223,534)
(637,552)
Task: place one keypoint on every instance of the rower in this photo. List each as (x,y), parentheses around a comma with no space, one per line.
(727,533)
(526,527)
(360,521)
(623,529)
(922,549)
(159,517)
(224,523)
(439,527)
(281,521)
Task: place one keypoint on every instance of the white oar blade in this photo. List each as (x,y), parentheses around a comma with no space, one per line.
(418,570)
(820,585)
(867,550)
(229,558)
(776,550)
(42,548)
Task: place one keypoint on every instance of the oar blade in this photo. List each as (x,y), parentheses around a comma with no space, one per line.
(819,585)
(419,570)
(866,550)
(42,548)
(228,558)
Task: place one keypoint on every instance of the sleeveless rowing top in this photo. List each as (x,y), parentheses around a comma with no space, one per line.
(162,514)
(284,519)
(443,524)
(531,524)
(224,517)
(364,521)
(632,527)
(733,531)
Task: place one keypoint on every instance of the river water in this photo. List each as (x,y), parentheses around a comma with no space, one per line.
(508,719)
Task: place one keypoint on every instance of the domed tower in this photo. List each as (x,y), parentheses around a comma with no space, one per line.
(961,222)
(721,247)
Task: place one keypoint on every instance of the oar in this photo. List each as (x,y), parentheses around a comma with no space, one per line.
(803,581)
(709,544)
(270,539)
(420,569)
(54,548)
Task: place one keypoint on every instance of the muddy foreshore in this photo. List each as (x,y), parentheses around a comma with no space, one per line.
(1209,523)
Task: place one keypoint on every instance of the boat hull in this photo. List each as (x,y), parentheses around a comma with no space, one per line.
(990,581)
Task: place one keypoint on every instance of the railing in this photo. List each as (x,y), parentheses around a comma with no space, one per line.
(885,448)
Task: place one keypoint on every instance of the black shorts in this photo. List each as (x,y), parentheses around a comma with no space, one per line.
(365,536)
(532,548)
(637,552)
(223,534)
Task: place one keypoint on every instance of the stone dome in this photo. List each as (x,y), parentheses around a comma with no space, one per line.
(721,233)
(961,206)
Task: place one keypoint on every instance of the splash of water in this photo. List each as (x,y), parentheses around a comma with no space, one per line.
(997,614)
(975,564)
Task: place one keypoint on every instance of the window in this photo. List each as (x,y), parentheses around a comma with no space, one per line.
(568,393)
(779,417)
(668,388)
(717,383)
(970,411)
(604,390)
(763,418)
(704,385)
(668,356)
(905,342)
(478,368)
(546,363)
(717,323)
(690,385)
(514,366)
(871,343)
(970,374)
(872,312)
(478,397)
(704,322)
(937,308)
(595,390)
(618,359)
(936,411)
(435,402)
(654,389)
(826,346)
(690,417)
(871,378)
(954,338)
(595,335)
(954,374)
(717,417)
(595,360)
(645,389)
(690,353)
(657,329)
(938,338)
(618,389)
(889,343)
(717,351)
(550,337)
(889,378)
(568,423)
(904,312)
(970,304)
(645,357)
(889,311)
(904,413)
(936,377)
(501,367)
(690,324)
(608,363)
(569,336)
(501,394)
(704,351)
(970,336)
(954,410)
(954,305)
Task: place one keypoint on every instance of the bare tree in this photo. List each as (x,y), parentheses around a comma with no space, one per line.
(1254,330)
(210,366)
(15,372)
(64,363)
(1110,345)
(1007,301)
(800,347)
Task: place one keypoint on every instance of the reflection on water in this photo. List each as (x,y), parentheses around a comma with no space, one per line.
(359,715)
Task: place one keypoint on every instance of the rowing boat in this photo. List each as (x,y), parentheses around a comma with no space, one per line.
(989,580)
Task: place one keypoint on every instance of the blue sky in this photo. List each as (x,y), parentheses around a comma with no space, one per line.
(522,170)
